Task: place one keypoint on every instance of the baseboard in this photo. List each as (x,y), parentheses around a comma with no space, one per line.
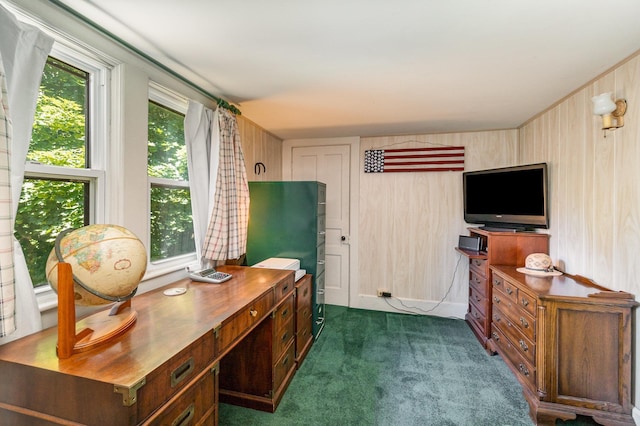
(635,413)
(415,306)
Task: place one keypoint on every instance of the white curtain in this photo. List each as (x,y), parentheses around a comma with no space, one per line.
(23,53)
(203,153)
(218,181)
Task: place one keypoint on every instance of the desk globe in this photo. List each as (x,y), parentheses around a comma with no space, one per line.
(90,266)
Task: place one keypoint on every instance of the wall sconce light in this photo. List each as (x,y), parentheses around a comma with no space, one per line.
(612,113)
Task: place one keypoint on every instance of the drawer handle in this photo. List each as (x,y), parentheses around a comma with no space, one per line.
(477,298)
(185,417)
(475,314)
(525,302)
(497,318)
(523,345)
(284,289)
(305,292)
(285,361)
(253,313)
(509,290)
(496,299)
(285,336)
(524,370)
(182,372)
(285,313)
(524,322)
(495,336)
(497,282)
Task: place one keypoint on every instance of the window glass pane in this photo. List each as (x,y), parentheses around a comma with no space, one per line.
(59,129)
(171,222)
(46,208)
(167,153)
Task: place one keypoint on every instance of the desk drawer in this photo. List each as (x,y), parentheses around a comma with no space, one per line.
(284,364)
(173,375)
(303,298)
(235,326)
(284,313)
(196,406)
(285,287)
(283,337)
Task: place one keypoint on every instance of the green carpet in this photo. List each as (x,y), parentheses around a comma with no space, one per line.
(376,368)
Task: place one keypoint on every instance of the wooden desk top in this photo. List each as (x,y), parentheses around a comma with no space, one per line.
(165,325)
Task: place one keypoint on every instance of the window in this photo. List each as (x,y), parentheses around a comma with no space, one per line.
(61,182)
(171,221)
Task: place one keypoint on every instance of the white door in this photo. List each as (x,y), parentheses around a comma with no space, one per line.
(330,164)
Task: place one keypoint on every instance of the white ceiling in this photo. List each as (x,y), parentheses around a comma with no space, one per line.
(308,68)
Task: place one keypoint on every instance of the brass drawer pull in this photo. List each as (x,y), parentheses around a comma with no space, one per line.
(495,336)
(496,299)
(305,292)
(285,313)
(285,361)
(253,313)
(284,289)
(525,302)
(509,291)
(477,298)
(185,417)
(523,345)
(285,336)
(524,322)
(497,318)
(524,370)
(497,282)
(182,372)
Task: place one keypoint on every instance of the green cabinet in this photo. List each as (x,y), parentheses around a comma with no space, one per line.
(288,219)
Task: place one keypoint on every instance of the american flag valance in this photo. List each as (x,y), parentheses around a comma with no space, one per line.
(441,159)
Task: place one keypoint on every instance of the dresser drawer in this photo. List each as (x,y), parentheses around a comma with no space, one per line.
(480,266)
(520,318)
(284,364)
(500,299)
(477,314)
(478,282)
(478,298)
(527,302)
(304,337)
(520,366)
(195,406)
(235,326)
(511,329)
(164,382)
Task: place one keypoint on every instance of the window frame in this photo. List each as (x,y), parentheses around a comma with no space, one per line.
(169,99)
(97,137)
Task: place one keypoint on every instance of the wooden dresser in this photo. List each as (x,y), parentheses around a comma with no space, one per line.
(498,248)
(568,341)
(166,368)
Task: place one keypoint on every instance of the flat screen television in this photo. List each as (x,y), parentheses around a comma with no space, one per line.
(515,197)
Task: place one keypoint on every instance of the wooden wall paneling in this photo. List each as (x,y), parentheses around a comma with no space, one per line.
(406,218)
(627,178)
(258,145)
(600,204)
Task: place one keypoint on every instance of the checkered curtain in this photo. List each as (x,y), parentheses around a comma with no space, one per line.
(7,280)
(23,53)
(226,236)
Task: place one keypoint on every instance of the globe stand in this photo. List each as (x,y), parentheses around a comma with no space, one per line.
(95,329)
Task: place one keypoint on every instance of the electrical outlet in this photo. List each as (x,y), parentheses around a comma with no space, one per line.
(383,293)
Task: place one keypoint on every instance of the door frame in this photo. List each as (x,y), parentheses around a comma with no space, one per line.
(354,185)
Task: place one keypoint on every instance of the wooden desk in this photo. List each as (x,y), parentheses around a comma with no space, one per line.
(163,370)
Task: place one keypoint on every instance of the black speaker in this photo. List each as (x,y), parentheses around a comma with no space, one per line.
(470,243)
